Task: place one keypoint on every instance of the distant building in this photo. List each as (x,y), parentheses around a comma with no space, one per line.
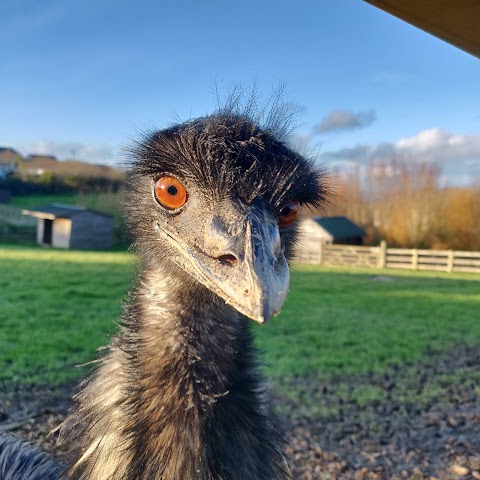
(40,157)
(9,160)
(72,226)
(36,165)
(39,164)
(332,230)
(6,170)
(317,231)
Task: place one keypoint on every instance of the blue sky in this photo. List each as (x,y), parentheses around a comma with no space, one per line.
(83,77)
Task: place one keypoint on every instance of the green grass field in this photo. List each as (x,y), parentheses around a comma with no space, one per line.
(58,307)
(30,201)
(105,202)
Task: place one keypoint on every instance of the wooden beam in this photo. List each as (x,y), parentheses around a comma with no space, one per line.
(455,21)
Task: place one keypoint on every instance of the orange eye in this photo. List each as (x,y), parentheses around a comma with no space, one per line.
(289,214)
(170,193)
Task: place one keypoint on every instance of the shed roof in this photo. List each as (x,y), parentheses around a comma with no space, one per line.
(340,227)
(60,210)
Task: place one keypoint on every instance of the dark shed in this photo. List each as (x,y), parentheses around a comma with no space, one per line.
(317,230)
(341,230)
(72,226)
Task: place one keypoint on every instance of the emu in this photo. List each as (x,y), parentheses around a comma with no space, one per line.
(212,206)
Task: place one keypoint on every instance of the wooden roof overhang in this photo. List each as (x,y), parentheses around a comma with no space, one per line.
(37,214)
(455,21)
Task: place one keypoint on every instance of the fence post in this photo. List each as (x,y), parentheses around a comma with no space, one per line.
(414,259)
(382,254)
(450,258)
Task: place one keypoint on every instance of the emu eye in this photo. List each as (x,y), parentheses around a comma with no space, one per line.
(170,193)
(289,214)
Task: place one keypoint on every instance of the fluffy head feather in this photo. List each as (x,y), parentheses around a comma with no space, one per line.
(178,394)
(228,158)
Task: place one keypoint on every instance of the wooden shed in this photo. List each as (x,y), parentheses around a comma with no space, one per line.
(332,230)
(72,226)
(317,231)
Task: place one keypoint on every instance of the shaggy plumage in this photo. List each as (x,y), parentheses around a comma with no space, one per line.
(21,460)
(177,394)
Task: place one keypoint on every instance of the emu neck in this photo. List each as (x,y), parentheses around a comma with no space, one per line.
(189,327)
(177,396)
(198,398)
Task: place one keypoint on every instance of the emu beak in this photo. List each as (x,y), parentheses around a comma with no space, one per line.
(259,288)
(239,259)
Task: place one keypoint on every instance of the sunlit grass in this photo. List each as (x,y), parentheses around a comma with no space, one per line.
(48,255)
(338,322)
(57,307)
(40,200)
(106,202)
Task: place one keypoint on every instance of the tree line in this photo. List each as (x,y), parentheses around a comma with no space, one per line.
(407,205)
(45,174)
(49,183)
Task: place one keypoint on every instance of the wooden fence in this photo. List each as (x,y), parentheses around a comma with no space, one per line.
(17,234)
(383,257)
(13,216)
(15,227)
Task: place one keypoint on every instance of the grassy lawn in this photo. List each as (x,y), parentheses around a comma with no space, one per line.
(105,202)
(58,307)
(340,321)
(30,201)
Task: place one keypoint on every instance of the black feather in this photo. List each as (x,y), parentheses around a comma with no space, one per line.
(178,394)
(20,460)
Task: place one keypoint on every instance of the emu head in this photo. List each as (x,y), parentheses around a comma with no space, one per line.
(217,199)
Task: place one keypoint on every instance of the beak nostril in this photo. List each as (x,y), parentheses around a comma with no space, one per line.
(228,259)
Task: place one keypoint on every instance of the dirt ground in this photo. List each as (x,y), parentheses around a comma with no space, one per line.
(424,425)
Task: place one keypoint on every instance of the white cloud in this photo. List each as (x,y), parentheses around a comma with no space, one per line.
(458,155)
(436,145)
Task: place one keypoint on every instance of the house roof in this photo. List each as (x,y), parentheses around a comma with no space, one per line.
(455,21)
(59,210)
(38,157)
(9,156)
(339,227)
(62,168)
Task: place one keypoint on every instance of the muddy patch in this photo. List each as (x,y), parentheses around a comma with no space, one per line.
(417,421)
